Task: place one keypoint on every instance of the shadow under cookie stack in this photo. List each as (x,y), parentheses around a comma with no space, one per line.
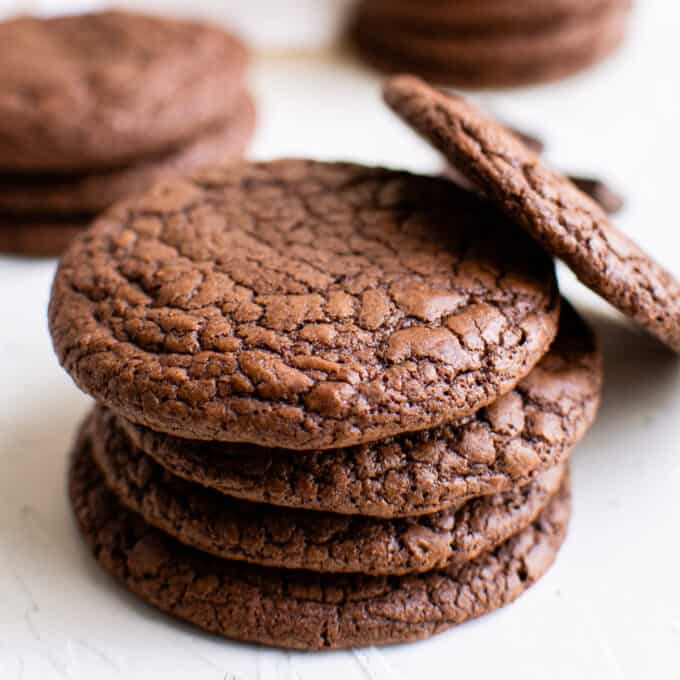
(336,404)
(97,107)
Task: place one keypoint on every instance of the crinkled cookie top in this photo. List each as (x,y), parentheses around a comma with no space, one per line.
(302,305)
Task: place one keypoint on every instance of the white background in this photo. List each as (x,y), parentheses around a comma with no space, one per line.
(610,608)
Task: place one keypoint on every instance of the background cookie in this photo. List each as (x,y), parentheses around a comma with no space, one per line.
(71,96)
(565,221)
(503,446)
(507,59)
(38,237)
(302,610)
(301,304)
(31,196)
(294,539)
(489,45)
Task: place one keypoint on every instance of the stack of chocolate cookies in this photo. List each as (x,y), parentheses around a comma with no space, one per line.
(488,43)
(97,107)
(336,404)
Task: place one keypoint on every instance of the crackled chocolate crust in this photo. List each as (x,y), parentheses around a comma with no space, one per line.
(503,446)
(29,196)
(566,222)
(99,90)
(300,609)
(505,59)
(301,304)
(39,237)
(300,539)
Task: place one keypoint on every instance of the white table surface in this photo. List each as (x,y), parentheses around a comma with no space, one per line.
(610,607)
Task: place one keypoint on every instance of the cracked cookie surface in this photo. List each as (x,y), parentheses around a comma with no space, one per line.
(301,539)
(300,609)
(97,90)
(301,304)
(566,222)
(503,446)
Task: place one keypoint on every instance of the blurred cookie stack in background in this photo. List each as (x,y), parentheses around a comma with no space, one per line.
(488,43)
(97,107)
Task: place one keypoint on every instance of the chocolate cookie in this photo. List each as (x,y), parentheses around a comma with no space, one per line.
(301,304)
(294,539)
(501,447)
(39,237)
(32,196)
(503,59)
(561,218)
(99,90)
(299,609)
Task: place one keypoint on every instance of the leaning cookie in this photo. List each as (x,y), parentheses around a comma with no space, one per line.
(300,609)
(503,446)
(293,539)
(301,304)
(565,221)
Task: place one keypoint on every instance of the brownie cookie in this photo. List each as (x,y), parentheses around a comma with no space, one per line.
(39,237)
(99,90)
(299,539)
(565,221)
(505,59)
(299,609)
(301,304)
(31,196)
(501,447)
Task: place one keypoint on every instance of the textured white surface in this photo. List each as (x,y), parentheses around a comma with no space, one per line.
(609,609)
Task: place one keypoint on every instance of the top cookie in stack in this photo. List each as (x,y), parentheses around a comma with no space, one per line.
(489,43)
(96,107)
(302,305)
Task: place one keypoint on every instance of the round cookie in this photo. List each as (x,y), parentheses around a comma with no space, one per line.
(301,304)
(500,448)
(504,60)
(39,237)
(299,609)
(565,221)
(72,95)
(29,197)
(299,539)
